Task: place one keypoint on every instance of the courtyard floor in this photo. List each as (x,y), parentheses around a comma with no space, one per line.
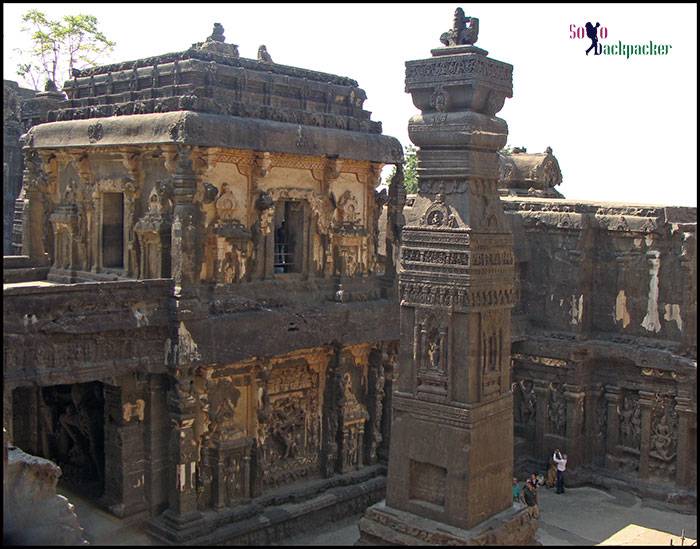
(581,516)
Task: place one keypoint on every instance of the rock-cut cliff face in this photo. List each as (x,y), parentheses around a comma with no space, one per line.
(34,514)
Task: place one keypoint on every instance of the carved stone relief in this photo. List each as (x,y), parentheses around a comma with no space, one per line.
(630,419)
(289,436)
(664,436)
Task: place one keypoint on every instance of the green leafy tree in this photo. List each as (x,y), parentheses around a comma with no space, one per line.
(410,173)
(59,46)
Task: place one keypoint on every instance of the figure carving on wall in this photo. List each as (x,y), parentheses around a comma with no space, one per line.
(663,437)
(528,401)
(434,350)
(630,422)
(557,410)
(346,211)
(226,204)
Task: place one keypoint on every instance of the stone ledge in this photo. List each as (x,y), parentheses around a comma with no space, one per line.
(279,515)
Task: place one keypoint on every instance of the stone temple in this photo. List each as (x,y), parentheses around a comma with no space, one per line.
(217,328)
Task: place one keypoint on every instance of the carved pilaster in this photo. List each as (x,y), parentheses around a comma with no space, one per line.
(596,418)
(36,183)
(646,404)
(186,221)
(686,459)
(541,390)
(575,424)
(613,398)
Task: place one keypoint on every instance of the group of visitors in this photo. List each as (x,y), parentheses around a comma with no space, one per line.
(528,492)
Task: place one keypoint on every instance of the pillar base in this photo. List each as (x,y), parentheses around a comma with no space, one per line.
(382,525)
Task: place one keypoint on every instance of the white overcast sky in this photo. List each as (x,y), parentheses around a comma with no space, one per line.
(622,129)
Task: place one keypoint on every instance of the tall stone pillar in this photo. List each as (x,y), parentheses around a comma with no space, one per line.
(451,454)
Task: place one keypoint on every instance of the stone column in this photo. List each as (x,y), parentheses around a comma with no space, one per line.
(613,397)
(646,405)
(575,427)
(451,454)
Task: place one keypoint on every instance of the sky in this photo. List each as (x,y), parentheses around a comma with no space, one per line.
(622,129)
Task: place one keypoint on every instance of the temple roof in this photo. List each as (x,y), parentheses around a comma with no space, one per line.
(214,97)
(211,77)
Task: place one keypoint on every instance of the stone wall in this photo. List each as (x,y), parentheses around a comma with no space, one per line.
(605,368)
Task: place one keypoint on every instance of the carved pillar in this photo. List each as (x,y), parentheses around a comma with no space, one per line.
(158,426)
(575,426)
(689,262)
(541,389)
(613,397)
(125,458)
(394,224)
(646,404)
(596,420)
(35,181)
(181,520)
(456,279)
(185,227)
(7,410)
(686,458)
(390,372)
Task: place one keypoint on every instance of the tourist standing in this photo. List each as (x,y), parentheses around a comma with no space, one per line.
(530,496)
(517,491)
(560,460)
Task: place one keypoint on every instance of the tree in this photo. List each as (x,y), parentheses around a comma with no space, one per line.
(59,46)
(410,173)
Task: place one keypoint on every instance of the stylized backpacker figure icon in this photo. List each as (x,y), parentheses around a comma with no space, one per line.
(592,33)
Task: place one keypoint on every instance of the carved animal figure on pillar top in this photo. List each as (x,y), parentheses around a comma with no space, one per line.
(460,34)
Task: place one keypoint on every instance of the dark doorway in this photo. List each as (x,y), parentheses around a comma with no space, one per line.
(71,433)
(113,230)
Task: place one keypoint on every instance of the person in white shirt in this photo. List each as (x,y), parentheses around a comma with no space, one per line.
(560,460)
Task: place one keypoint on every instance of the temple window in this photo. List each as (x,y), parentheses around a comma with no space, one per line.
(113,230)
(289,237)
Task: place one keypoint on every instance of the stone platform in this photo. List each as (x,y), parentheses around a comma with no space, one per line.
(382,525)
